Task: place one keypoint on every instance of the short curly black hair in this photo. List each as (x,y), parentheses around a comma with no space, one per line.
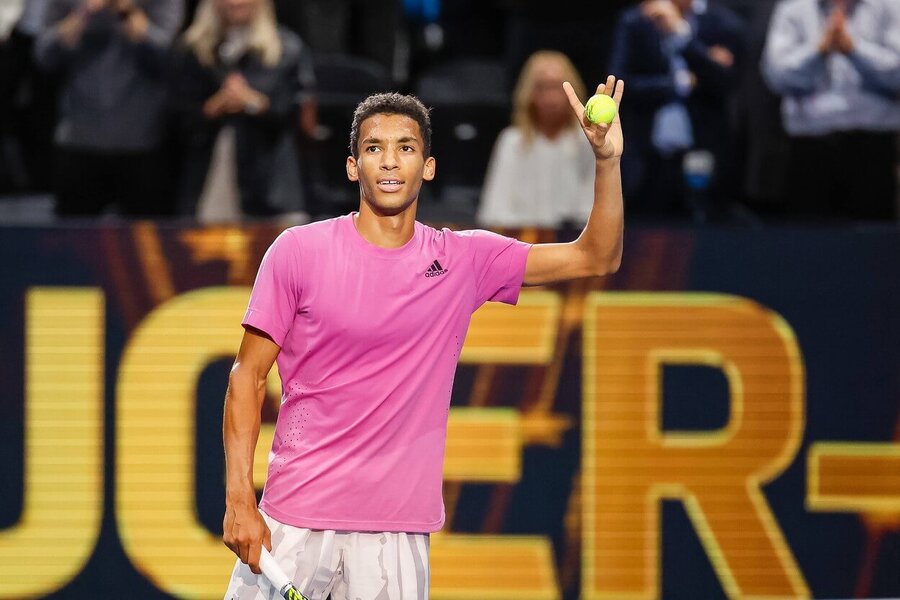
(391,104)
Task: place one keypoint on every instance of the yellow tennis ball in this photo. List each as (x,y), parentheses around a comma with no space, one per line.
(600,109)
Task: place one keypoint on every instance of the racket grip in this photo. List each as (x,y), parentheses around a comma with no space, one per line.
(276,575)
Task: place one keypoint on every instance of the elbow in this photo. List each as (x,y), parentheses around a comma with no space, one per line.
(775,76)
(608,266)
(615,265)
(244,377)
(773,81)
(599,262)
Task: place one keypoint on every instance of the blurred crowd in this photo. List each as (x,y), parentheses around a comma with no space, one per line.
(222,110)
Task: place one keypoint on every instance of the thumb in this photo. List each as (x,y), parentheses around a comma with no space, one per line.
(267,540)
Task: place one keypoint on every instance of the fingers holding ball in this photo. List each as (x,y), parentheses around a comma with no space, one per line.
(600,109)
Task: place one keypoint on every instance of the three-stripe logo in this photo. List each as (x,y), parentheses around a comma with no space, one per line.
(435,269)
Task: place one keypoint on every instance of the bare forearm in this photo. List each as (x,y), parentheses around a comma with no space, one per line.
(601,240)
(240,432)
(598,250)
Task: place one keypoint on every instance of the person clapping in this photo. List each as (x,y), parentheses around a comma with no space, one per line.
(112,56)
(836,64)
(239,82)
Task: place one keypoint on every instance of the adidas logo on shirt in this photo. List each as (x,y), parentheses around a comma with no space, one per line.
(435,270)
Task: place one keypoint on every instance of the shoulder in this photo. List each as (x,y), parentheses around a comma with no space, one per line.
(302,244)
(291,44)
(631,17)
(510,137)
(510,134)
(475,240)
(888,8)
(306,238)
(725,17)
(315,233)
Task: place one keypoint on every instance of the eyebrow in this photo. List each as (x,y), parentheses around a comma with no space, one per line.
(403,140)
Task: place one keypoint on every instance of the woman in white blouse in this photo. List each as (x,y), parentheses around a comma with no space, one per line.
(541,172)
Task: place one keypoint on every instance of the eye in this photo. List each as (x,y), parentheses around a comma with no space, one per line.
(407,148)
(371,149)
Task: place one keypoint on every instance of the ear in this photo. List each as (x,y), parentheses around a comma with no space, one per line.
(352,169)
(430,165)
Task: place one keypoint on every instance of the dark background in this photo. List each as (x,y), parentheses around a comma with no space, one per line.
(839,289)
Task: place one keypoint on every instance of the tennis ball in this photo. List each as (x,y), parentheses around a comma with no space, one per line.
(600,109)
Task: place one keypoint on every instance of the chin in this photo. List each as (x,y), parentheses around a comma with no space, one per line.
(390,209)
(390,204)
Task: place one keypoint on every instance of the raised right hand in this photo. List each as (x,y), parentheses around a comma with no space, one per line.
(245,532)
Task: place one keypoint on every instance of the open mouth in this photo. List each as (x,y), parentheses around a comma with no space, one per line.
(390,185)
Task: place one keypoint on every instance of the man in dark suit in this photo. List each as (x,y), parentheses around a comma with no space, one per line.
(681,60)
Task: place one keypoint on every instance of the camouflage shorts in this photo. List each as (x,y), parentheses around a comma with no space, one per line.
(346,565)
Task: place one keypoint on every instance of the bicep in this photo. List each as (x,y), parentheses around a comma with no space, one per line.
(549,263)
(257,354)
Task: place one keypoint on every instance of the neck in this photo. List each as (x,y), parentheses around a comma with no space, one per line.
(386,231)
(551,130)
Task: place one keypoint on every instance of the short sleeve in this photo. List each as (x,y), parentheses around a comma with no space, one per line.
(276,292)
(499,266)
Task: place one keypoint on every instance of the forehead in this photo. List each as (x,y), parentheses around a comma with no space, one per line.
(550,70)
(389,127)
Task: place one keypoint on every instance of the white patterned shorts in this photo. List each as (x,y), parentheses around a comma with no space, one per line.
(346,565)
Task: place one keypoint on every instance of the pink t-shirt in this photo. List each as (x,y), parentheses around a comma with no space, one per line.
(370,338)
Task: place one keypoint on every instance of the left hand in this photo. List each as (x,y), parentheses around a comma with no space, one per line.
(607,141)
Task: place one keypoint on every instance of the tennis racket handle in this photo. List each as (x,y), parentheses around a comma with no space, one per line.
(277,577)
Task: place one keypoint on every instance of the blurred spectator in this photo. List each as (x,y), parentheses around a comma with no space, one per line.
(581,30)
(837,63)
(10,68)
(679,59)
(238,84)
(112,56)
(27,104)
(10,11)
(450,31)
(366,28)
(765,147)
(541,172)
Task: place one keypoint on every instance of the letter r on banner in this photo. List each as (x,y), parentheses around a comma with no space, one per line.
(630,464)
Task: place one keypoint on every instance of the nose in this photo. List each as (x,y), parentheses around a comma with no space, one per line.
(389,159)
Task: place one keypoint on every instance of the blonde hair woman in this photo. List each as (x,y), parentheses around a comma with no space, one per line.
(215,18)
(541,170)
(240,79)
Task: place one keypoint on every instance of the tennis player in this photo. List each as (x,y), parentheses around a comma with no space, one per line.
(366,315)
